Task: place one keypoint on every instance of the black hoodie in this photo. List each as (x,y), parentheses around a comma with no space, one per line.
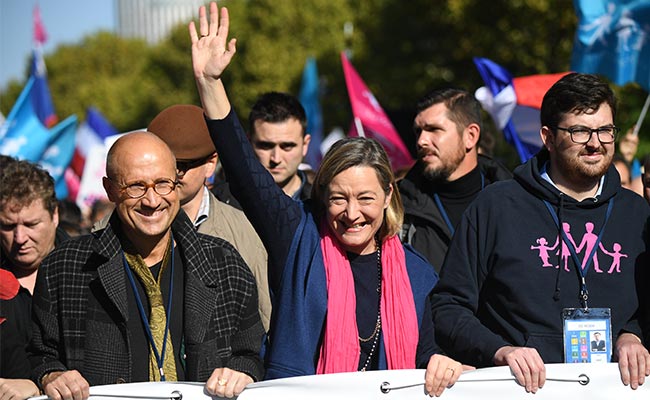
(501,285)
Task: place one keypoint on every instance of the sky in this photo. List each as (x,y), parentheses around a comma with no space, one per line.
(65,21)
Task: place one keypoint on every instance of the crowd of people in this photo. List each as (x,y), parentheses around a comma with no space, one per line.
(269,273)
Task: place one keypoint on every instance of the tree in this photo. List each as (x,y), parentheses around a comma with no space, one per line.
(401,49)
(102,71)
(274,40)
(404,49)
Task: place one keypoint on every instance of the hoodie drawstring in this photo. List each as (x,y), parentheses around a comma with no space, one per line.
(556,295)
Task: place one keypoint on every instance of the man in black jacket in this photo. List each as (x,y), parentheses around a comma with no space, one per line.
(147,298)
(448,174)
(29,231)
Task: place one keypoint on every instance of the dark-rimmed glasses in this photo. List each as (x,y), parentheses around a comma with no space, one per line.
(582,134)
(136,190)
(182,166)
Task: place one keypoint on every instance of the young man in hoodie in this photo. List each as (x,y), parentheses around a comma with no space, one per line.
(561,235)
(449,173)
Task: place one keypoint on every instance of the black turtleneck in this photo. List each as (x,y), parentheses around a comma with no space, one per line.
(457,195)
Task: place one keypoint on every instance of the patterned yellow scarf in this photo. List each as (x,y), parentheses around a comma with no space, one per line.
(158,318)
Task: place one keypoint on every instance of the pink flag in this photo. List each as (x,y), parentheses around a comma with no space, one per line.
(371,120)
(40,36)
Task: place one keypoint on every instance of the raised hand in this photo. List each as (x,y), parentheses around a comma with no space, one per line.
(211,50)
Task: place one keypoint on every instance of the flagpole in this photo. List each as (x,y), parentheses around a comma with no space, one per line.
(359,126)
(644,110)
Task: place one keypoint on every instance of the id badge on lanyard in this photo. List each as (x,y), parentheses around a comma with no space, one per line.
(587,335)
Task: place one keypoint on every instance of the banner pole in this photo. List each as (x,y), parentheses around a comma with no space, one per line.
(644,110)
(359,126)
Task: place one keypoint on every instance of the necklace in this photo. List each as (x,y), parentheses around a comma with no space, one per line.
(375,334)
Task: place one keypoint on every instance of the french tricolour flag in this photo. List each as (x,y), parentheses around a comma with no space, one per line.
(41,98)
(514,104)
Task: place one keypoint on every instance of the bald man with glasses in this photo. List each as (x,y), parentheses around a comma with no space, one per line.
(147,298)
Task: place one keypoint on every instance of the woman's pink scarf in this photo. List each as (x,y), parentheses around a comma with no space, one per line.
(340,349)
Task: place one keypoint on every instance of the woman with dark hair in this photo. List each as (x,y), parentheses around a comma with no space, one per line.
(347,295)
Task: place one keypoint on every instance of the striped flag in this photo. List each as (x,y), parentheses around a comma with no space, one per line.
(514,104)
(41,98)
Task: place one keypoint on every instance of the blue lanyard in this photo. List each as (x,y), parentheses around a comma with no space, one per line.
(584,293)
(159,357)
(441,208)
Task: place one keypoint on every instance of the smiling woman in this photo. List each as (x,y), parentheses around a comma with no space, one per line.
(348,295)
(352,189)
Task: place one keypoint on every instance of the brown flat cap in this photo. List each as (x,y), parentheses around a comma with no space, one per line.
(183,128)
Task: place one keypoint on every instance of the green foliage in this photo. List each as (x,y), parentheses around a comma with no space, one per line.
(102,71)
(274,39)
(400,48)
(9,95)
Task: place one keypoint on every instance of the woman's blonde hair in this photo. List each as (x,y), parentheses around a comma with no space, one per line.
(359,152)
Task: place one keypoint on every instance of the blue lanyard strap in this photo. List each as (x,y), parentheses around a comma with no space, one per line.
(584,293)
(443,212)
(441,208)
(160,357)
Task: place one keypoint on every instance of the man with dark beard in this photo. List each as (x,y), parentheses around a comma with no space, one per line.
(449,173)
(504,299)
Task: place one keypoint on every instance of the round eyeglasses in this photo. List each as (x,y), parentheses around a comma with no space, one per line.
(136,190)
(582,134)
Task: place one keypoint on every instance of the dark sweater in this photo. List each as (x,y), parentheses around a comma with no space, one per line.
(500,284)
(424,224)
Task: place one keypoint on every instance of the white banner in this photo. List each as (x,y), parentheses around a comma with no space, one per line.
(563,381)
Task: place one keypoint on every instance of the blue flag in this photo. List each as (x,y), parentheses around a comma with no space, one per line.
(309,98)
(59,153)
(41,97)
(98,123)
(613,39)
(23,135)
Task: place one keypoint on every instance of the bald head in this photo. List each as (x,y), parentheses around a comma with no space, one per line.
(141,160)
(137,146)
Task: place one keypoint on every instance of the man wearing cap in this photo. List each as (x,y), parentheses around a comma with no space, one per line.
(183,129)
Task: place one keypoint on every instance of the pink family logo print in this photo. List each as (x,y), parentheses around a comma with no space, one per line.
(587,243)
